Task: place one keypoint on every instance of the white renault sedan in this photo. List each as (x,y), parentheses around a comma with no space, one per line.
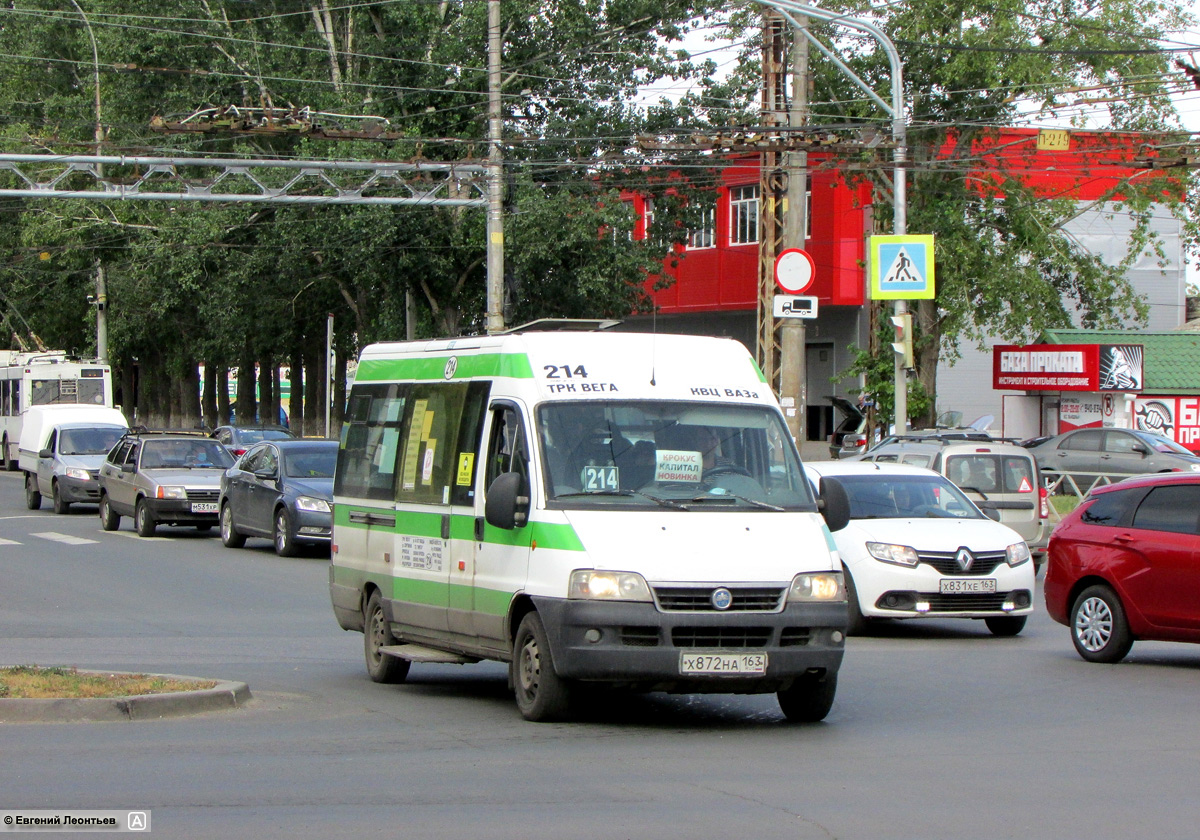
(916,547)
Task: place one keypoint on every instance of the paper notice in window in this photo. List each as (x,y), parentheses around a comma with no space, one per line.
(678,465)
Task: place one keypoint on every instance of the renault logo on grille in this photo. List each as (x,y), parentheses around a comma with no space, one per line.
(965,559)
(722,598)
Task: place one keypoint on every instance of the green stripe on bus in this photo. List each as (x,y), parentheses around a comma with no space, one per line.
(420,524)
(437,594)
(762,377)
(470,365)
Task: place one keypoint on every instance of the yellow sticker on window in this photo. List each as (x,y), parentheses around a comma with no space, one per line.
(466,467)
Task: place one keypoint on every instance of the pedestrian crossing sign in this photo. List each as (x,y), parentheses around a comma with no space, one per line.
(902,267)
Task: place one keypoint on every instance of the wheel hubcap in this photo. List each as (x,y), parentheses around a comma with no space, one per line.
(530,667)
(1093,624)
(376,635)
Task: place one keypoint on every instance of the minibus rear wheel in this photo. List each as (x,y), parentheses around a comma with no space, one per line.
(381,667)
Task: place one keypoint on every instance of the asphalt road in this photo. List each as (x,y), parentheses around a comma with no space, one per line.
(939,729)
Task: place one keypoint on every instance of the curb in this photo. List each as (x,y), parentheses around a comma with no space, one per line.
(226,694)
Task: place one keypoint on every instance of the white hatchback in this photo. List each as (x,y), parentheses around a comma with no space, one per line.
(916,547)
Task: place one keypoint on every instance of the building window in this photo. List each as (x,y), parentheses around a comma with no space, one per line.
(705,235)
(743,214)
(647,218)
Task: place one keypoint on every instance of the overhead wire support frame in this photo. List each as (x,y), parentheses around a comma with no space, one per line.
(427,184)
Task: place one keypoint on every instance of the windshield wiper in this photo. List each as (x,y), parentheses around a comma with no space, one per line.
(657,500)
(727,495)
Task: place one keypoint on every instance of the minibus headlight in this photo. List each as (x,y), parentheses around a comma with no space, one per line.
(170,491)
(309,503)
(78,474)
(901,555)
(817,586)
(608,586)
(1016,554)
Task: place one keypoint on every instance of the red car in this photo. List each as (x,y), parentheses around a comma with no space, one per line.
(1125,565)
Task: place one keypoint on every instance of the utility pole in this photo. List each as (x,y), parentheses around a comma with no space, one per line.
(495,179)
(792,333)
(101,299)
(771,190)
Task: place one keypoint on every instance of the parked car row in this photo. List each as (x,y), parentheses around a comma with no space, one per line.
(280,488)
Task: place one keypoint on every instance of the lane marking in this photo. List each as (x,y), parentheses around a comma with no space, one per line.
(65,539)
(9,542)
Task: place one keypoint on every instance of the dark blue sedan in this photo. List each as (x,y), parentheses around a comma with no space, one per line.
(281,490)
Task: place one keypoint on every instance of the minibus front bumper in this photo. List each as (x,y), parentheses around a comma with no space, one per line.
(638,645)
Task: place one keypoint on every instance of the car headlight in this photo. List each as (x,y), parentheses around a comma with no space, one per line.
(77,474)
(1017,553)
(608,586)
(314,505)
(817,586)
(168,491)
(900,555)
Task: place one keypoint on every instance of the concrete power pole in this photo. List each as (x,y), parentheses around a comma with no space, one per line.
(495,179)
(792,339)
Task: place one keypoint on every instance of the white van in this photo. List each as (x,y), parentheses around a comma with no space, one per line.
(592,508)
(61,450)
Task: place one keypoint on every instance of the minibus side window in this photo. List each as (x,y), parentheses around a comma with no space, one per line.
(469,430)
(371,441)
(429,465)
(507,450)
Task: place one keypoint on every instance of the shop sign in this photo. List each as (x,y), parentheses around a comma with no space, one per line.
(1068,367)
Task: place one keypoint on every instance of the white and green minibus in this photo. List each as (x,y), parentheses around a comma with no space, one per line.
(592,508)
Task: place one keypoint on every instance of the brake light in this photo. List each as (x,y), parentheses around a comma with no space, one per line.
(1044,498)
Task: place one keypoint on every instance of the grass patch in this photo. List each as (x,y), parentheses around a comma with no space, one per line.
(33,681)
(1064,504)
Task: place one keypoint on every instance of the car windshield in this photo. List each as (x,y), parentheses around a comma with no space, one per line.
(885,496)
(199,453)
(678,455)
(247,436)
(310,463)
(95,441)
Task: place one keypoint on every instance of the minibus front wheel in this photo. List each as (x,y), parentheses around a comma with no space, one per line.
(541,693)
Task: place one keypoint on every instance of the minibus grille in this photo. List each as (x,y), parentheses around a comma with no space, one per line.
(720,637)
(985,563)
(700,599)
(639,636)
(795,636)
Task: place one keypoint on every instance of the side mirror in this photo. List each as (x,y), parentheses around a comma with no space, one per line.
(127,467)
(834,504)
(990,512)
(46,453)
(1141,450)
(266,475)
(507,504)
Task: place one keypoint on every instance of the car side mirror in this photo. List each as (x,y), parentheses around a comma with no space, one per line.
(834,504)
(990,512)
(266,474)
(1141,450)
(127,468)
(46,453)
(507,504)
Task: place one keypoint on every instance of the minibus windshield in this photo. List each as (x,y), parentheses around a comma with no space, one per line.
(678,455)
